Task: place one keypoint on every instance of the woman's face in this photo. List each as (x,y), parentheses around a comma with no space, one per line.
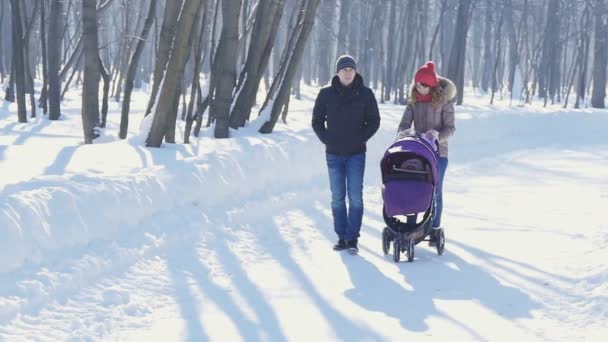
(422,88)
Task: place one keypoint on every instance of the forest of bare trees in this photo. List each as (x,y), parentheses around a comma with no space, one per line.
(205,60)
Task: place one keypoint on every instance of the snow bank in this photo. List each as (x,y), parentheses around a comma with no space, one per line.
(58,212)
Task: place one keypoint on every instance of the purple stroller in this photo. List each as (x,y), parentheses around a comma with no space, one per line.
(409,178)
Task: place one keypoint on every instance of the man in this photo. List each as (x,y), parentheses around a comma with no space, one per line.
(344,118)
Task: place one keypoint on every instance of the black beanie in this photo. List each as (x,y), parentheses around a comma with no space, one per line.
(345,61)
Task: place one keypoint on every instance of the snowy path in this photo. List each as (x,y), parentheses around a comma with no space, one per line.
(264,271)
(525,257)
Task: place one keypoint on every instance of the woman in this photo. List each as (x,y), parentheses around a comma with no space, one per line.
(431,110)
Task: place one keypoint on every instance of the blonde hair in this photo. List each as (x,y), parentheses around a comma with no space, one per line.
(435,94)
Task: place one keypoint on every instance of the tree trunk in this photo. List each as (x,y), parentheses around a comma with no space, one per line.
(75,70)
(43,100)
(263,36)
(390,53)
(600,59)
(169,92)
(167,33)
(281,85)
(195,93)
(18,60)
(550,50)
(212,49)
(224,67)
(55,39)
(365,62)
(488,57)
(457,54)
(343,44)
(73,59)
(476,48)
(106,92)
(406,60)
(513,45)
(585,41)
(90,86)
(325,41)
(497,59)
(3,69)
(29,79)
(133,64)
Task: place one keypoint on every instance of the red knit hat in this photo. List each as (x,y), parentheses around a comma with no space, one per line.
(426,74)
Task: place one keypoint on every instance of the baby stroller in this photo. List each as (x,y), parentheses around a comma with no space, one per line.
(409,178)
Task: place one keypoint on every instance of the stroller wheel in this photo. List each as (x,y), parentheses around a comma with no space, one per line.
(410,250)
(396,249)
(386,242)
(440,241)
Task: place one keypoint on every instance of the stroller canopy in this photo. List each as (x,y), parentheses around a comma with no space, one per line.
(410,145)
(412,193)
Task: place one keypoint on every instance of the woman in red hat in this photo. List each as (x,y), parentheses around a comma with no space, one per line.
(430,110)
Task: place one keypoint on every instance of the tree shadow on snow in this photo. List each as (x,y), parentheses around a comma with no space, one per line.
(271,241)
(187,266)
(61,161)
(447,277)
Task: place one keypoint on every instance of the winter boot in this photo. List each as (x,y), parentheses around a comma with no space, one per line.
(433,236)
(341,245)
(352,247)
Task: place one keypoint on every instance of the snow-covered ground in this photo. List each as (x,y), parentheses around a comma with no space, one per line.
(231,239)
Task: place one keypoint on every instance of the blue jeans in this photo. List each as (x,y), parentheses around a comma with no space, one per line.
(346,176)
(443,165)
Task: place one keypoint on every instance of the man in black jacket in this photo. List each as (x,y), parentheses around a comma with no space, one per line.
(344,118)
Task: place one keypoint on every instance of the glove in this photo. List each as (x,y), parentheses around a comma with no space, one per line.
(406,133)
(434,133)
(431,138)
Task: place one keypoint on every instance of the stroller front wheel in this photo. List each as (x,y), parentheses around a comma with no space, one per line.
(396,249)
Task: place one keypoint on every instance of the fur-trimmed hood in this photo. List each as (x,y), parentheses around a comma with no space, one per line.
(447,89)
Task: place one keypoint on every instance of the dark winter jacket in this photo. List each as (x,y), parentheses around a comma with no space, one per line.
(426,116)
(345,118)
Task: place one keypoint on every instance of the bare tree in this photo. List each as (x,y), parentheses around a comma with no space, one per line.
(56,22)
(390,53)
(325,41)
(224,67)
(195,91)
(90,85)
(600,55)
(457,54)
(281,85)
(268,17)
(583,56)
(133,64)
(343,44)
(165,112)
(18,60)
(549,62)
(3,68)
(513,44)
(43,101)
(167,32)
(488,56)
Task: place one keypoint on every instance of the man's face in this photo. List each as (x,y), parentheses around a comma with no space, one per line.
(346,76)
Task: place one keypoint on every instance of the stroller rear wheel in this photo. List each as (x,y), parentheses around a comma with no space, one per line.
(440,241)
(386,241)
(410,250)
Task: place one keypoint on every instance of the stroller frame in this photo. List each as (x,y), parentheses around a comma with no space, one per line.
(404,235)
